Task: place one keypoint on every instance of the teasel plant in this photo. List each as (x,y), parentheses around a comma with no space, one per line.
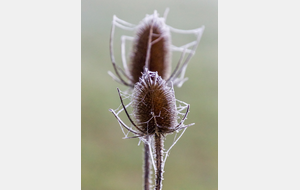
(156,115)
(150,71)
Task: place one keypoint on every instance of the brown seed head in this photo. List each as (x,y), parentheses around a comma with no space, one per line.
(154,104)
(155,28)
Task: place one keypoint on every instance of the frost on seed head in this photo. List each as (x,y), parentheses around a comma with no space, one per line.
(151,48)
(154,104)
(154,108)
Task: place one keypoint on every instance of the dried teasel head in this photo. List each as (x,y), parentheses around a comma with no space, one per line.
(154,107)
(151,48)
(154,104)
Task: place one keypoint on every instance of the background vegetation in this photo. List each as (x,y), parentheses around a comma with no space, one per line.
(108,161)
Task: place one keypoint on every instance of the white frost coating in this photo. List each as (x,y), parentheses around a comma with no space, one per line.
(122,24)
(151,152)
(123,52)
(166,13)
(117,111)
(188,49)
(159,23)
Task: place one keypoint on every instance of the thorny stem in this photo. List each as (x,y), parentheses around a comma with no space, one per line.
(159,146)
(147,165)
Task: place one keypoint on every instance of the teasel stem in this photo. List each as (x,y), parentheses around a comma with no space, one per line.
(159,147)
(147,165)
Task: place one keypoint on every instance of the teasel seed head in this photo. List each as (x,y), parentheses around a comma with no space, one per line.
(151,48)
(154,105)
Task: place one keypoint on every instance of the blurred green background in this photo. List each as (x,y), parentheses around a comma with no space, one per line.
(112,163)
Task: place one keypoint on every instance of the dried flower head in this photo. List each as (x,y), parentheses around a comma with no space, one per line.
(152,50)
(154,107)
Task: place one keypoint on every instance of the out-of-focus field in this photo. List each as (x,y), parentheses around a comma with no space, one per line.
(112,163)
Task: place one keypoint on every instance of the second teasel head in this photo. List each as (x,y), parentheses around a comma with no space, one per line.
(154,104)
(154,107)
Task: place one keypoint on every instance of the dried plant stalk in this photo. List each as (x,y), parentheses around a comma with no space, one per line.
(147,165)
(159,147)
